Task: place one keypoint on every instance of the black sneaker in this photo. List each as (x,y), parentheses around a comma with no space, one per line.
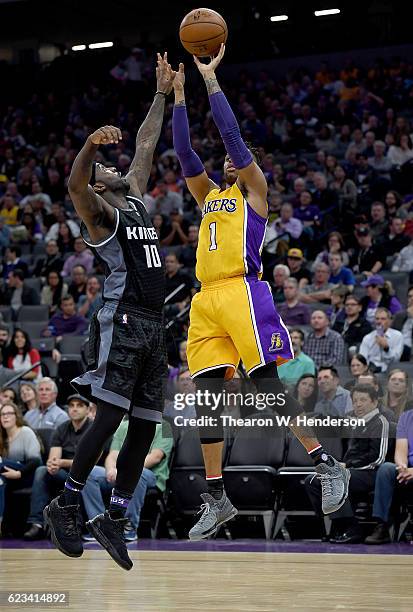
(35,532)
(380,535)
(63,522)
(110,533)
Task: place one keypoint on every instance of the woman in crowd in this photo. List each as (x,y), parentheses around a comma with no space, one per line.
(398,395)
(359,367)
(335,244)
(54,290)
(19,452)
(306,392)
(345,187)
(21,355)
(337,312)
(380,294)
(66,239)
(7,394)
(401,151)
(393,201)
(28,397)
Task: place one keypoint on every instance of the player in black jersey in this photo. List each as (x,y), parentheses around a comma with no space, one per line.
(127,356)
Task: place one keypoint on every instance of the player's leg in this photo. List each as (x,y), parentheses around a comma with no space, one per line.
(62,514)
(108,528)
(217,508)
(263,340)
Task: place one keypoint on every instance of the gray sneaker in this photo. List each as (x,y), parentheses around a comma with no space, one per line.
(334,485)
(215,512)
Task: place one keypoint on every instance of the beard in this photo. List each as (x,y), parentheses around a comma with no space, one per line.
(230,178)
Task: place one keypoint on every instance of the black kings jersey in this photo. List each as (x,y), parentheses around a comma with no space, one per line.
(134,271)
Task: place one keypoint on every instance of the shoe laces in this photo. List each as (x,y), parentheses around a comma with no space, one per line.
(70,520)
(326,482)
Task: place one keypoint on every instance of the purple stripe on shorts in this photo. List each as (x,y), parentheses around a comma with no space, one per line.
(254,238)
(272,333)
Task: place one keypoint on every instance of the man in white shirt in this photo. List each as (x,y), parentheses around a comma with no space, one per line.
(384,345)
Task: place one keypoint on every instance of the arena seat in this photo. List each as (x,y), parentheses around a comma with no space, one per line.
(34,283)
(250,476)
(6,313)
(187,476)
(400,282)
(34,313)
(33,328)
(72,345)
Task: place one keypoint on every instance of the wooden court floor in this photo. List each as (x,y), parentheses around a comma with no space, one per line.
(214,581)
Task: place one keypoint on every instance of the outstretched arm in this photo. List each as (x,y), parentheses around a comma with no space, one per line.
(192,168)
(150,130)
(89,205)
(251,176)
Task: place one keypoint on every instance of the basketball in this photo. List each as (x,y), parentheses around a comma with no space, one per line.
(202,31)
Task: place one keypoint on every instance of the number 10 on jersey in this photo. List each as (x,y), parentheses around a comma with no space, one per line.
(213,236)
(152,256)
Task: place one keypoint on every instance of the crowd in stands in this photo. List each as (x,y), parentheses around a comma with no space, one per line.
(337,152)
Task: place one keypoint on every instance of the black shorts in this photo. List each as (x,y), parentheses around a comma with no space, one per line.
(127,362)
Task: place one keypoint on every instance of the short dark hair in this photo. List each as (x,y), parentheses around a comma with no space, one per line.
(15,249)
(66,298)
(4,328)
(409,289)
(297,330)
(18,272)
(329,367)
(363,388)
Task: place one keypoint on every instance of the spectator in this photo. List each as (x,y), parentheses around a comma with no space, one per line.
(358,367)
(392,243)
(8,394)
(335,244)
(162,226)
(323,197)
(306,392)
(337,312)
(384,345)
(379,295)
(291,311)
(286,226)
(78,285)
(179,230)
(66,322)
(354,327)
(19,453)
(402,151)
(340,275)
(14,261)
(53,292)
(403,262)
(21,355)
(52,261)
(92,301)
(345,188)
(393,202)
(333,399)
(403,322)
(322,344)
(295,261)
(174,279)
(4,235)
(398,394)
(28,397)
(154,475)
(363,456)
(163,200)
(392,476)
(48,415)
(9,210)
(82,257)
(53,475)
(293,370)
(280,274)
(320,289)
(306,212)
(17,293)
(366,259)
(65,238)
(379,223)
(380,163)
(187,256)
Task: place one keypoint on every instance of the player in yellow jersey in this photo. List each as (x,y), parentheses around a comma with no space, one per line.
(234,317)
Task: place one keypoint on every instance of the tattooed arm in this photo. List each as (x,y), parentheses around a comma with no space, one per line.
(150,130)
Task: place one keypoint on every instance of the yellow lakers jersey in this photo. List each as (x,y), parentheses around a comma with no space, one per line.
(231,237)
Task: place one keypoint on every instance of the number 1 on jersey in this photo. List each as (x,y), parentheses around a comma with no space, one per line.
(213,236)
(152,256)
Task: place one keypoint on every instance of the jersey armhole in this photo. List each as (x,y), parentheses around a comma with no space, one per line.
(85,233)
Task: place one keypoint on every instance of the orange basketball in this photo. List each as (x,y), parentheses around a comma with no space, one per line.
(202,31)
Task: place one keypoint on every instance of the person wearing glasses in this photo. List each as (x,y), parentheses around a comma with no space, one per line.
(354,327)
(19,452)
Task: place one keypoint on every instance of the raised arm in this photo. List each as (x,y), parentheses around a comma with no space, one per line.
(92,208)
(150,130)
(192,168)
(251,176)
